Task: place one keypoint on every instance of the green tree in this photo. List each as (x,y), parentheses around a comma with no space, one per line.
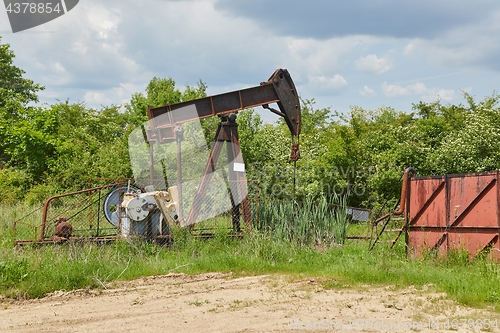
(160,91)
(475,145)
(22,142)
(16,92)
(29,141)
(13,86)
(88,143)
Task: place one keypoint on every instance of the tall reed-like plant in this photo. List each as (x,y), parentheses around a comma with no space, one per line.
(322,222)
(342,221)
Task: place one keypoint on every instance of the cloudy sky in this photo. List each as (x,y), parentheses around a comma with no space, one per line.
(368,53)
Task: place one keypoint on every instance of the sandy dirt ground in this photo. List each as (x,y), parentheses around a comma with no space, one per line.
(223,303)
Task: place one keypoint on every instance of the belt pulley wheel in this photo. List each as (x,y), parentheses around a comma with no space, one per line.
(112,202)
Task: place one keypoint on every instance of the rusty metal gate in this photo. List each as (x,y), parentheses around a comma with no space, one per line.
(454,212)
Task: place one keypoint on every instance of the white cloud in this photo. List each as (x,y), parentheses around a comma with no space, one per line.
(410,48)
(102,52)
(319,57)
(394,90)
(117,95)
(55,73)
(96,98)
(418,89)
(332,84)
(104,20)
(465,46)
(367,92)
(446,95)
(372,64)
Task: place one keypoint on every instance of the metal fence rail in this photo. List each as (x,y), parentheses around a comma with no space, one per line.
(75,215)
(231,207)
(82,214)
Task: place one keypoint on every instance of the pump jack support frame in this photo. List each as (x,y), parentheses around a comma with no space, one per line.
(226,132)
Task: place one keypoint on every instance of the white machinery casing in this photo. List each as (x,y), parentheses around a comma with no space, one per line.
(160,206)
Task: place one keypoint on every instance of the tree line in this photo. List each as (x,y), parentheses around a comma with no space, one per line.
(52,149)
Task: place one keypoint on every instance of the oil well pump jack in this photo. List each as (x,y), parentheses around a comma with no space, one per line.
(145,211)
(165,126)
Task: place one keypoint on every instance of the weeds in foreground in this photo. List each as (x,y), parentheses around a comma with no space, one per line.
(33,272)
(278,245)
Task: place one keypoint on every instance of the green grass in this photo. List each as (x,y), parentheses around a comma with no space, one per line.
(34,272)
(31,271)
(28,218)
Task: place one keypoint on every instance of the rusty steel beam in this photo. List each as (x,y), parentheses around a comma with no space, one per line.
(278,89)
